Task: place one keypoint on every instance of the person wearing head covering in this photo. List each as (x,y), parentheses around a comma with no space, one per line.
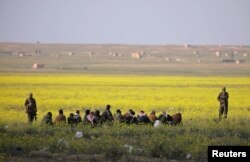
(31,109)
(223,99)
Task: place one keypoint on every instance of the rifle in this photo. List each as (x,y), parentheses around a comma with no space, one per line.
(35,116)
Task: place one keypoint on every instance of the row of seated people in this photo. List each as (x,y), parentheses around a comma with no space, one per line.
(142,117)
(95,118)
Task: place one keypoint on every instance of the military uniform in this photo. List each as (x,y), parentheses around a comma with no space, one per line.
(30,104)
(223,99)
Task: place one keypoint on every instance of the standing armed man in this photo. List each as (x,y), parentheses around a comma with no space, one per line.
(30,105)
(223,99)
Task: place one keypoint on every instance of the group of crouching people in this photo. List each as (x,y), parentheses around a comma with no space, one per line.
(95,118)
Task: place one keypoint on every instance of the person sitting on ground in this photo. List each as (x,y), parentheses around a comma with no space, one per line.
(77,117)
(107,115)
(128,114)
(142,117)
(152,117)
(60,118)
(47,119)
(97,118)
(85,119)
(166,118)
(130,117)
(71,120)
(119,117)
(90,118)
(134,119)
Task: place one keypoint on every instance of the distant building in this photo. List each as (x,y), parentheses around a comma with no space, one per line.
(217,53)
(21,55)
(168,59)
(37,66)
(178,60)
(239,61)
(196,52)
(91,54)
(137,55)
(71,53)
(228,61)
(245,54)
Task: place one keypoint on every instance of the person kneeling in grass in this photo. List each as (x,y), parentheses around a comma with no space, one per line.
(47,119)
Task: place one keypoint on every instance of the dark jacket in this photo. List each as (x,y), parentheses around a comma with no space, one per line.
(30,105)
(107,116)
(223,98)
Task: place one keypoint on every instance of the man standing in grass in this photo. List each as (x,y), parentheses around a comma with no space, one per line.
(30,105)
(223,99)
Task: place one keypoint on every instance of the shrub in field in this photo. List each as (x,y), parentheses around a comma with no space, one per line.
(114,152)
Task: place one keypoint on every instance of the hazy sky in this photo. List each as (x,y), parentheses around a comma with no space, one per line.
(126,21)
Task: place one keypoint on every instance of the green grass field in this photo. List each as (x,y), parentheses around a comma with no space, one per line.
(194,97)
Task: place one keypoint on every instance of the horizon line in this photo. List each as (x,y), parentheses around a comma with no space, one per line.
(128,44)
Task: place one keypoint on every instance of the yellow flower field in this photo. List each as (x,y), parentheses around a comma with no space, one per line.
(194,97)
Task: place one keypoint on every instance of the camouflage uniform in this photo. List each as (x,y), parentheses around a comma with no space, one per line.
(223,99)
(30,104)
